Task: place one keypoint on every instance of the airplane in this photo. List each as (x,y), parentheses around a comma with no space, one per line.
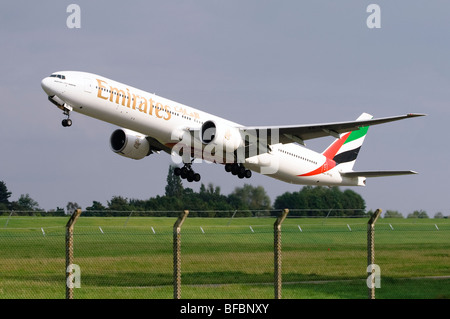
(150,124)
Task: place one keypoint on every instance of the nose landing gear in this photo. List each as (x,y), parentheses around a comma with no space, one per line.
(66,122)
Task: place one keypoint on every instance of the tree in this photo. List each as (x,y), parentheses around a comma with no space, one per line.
(211,190)
(174,185)
(439,215)
(317,201)
(25,202)
(352,200)
(96,206)
(392,214)
(118,203)
(59,211)
(71,207)
(294,200)
(418,214)
(253,198)
(4,194)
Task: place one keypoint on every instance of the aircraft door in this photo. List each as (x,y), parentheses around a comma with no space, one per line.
(87,85)
(325,167)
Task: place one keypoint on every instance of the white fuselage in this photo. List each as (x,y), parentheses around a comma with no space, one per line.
(161,119)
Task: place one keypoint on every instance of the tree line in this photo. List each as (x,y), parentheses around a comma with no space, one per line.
(244,201)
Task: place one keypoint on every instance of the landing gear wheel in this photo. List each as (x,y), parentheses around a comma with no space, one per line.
(238,169)
(235,169)
(66,122)
(190,176)
(186,172)
(66,111)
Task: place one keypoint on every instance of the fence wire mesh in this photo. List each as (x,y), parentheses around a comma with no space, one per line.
(123,257)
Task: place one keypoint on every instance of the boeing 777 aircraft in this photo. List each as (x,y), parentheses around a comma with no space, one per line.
(150,124)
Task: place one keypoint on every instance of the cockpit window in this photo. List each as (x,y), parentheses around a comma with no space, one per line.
(59,76)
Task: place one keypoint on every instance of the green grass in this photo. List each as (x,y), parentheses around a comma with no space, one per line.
(124,257)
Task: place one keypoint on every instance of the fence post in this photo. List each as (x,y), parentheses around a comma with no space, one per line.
(371,251)
(177,254)
(69,251)
(277,252)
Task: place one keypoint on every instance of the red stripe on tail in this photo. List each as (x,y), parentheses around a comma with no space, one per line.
(331,151)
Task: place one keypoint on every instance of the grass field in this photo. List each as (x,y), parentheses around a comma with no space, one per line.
(223,258)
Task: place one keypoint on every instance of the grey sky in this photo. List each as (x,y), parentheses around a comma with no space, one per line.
(253,62)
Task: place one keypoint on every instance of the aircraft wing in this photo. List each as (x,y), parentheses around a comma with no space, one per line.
(377,173)
(301,133)
(157,145)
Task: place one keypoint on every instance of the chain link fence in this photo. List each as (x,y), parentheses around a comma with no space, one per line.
(133,257)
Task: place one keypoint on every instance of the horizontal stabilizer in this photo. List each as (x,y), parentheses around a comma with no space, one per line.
(377,173)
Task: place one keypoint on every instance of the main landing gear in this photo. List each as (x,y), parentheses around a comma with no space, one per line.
(186,172)
(239,170)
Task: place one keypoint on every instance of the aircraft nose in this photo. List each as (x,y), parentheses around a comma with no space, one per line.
(46,85)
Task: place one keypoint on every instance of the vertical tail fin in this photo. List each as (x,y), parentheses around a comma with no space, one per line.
(344,150)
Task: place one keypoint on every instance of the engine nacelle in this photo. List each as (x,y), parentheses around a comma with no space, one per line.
(223,137)
(130,144)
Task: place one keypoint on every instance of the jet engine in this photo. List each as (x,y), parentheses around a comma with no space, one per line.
(130,144)
(223,137)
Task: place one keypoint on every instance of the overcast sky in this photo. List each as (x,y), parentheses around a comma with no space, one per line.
(253,62)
